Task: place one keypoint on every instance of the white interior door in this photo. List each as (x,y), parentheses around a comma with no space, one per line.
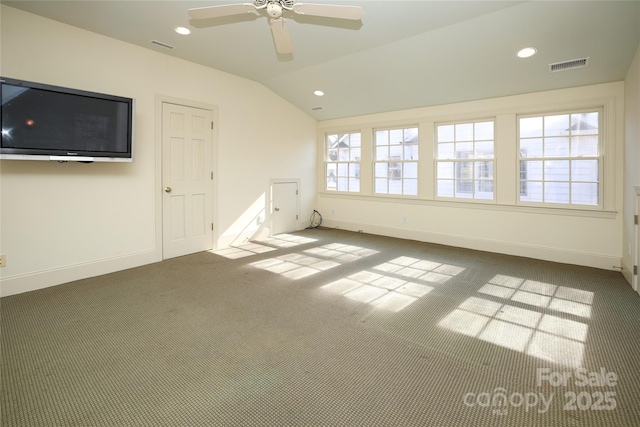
(284,202)
(187,176)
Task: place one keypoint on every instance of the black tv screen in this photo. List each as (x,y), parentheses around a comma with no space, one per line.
(44,122)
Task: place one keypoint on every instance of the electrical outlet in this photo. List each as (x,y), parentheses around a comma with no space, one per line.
(333,211)
(3,260)
(404,219)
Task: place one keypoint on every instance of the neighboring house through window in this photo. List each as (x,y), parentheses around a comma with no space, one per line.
(396,161)
(342,162)
(560,159)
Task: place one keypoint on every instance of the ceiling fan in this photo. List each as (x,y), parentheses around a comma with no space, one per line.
(274,9)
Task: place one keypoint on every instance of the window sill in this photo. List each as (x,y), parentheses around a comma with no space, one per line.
(463,204)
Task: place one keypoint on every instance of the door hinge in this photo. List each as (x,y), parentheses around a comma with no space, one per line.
(211,176)
(296,216)
(211,125)
(635,219)
(296,192)
(635,270)
(211,226)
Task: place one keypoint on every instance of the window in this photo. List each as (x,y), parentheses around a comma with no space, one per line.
(396,161)
(464,160)
(342,162)
(560,159)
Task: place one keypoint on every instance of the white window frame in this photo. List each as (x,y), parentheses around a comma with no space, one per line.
(599,157)
(474,159)
(346,165)
(396,166)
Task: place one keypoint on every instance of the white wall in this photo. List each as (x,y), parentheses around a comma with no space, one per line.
(632,162)
(586,237)
(62,222)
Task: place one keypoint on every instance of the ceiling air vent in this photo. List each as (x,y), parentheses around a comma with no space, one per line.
(569,65)
(316,108)
(164,45)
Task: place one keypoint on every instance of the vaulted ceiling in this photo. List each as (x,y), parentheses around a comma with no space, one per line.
(401,54)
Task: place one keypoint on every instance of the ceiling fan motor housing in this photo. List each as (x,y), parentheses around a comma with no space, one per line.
(274,10)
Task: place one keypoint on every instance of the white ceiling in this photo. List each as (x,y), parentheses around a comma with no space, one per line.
(402,54)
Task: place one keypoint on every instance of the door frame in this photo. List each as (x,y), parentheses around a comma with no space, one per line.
(158,191)
(273,182)
(636,233)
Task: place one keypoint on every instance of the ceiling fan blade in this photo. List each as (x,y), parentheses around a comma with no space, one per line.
(329,10)
(220,11)
(281,36)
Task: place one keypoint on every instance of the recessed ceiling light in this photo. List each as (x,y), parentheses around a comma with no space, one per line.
(182,30)
(318,93)
(527,52)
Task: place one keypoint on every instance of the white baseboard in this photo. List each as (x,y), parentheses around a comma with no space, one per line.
(507,248)
(43,279)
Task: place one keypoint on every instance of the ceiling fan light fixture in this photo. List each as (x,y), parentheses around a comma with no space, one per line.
(183,31)
(318,93)
(527,52)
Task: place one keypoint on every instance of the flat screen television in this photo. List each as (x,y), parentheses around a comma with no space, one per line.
(44,122)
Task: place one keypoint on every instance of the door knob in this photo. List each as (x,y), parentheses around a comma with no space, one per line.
(276,209)
(167,189)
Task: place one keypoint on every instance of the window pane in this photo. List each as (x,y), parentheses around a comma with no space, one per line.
(342,169)
(556,125)
(395,186)
(484,190)
(446,151)
(381,186)
(584,170)
(556,192)
(464,150)
(411,187)
(355,154)
(395,136)
(484,170)
(484,150)
(354,184)
(445,133)
(411,152)
(343,154)
(464,170)
(584,123)
(531,170)
(332,154)
(584,193)
(530,127)
(355,139)
(342,184)
(531,191)
(464,132)
(556,147)
(584,146)
(483,131)
(445,188)
(381,170)
(331,176)
(464,188)
(445,170)
(382,153)
(354,169)
(531,147)
(556,170)
(382,137)
(410,170)
(395,152)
